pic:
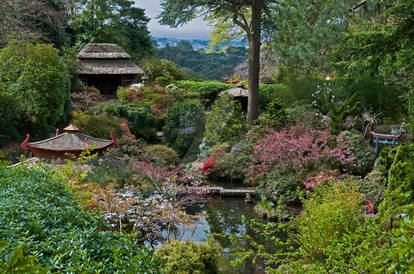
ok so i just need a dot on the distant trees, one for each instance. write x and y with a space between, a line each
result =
213 66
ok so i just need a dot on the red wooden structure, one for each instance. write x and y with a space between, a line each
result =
68 145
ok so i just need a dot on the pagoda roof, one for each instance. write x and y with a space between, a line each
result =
238 91
68 142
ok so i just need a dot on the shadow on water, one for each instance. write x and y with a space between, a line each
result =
223 215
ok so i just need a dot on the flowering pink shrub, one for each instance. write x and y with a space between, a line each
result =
292 150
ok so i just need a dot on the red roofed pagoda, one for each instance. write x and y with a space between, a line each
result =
70 143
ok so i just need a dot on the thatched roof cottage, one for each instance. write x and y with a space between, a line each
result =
107 67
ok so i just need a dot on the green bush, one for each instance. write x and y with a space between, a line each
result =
276 115
127 93
364 154
400 183
161 155
164 81
225 122
184 126
189 257
335 237
36 84
141 120
154 68
373 188
384 162
37 209
330 213
96 126
205 90
108 172
268 93
233 165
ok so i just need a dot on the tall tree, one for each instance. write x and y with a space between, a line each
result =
179 12
44 20
111 21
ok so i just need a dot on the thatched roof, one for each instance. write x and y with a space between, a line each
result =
103 58
238 91
70 142
103 51
109 66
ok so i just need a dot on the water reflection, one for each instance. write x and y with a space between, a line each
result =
223 215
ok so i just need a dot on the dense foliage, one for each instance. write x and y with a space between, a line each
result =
140 118
96 126
35 85
225 122
189 257
39 210
184 127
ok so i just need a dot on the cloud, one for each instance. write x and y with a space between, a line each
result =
196 29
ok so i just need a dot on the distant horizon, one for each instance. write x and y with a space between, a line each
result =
197 29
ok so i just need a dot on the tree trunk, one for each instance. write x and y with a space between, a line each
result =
254 61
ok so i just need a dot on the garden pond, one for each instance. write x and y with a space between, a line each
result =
222 215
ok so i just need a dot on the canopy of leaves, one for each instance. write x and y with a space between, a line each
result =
111 21
36 84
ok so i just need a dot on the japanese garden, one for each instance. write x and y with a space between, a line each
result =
282 143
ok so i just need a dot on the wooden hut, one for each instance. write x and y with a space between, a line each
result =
240 93
107 67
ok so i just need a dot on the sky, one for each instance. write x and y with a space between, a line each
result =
196 29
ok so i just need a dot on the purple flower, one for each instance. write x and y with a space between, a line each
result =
187 129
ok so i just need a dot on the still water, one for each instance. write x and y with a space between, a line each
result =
223 215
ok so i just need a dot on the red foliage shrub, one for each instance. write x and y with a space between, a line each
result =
210 162
292 150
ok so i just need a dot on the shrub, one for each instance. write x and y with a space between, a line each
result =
334 236
290 150
268 93
384 162
108 172
141 120
233 165
164 81
276 115
328 214
38 209
7 117
86 99
189 257
161 155
128 93
37 83
305 117
373 188
205 90
225 122
184 126
154 68
96 126
364 154
400 183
